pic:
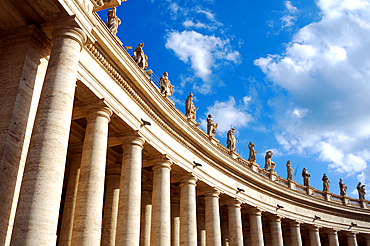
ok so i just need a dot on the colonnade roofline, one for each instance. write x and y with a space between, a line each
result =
162 112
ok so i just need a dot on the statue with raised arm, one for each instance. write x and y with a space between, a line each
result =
165 85
112 20
190 108
361 191
342 188
269 164
139 57
211 126
252 152
325 183
231 140
306 177
290 170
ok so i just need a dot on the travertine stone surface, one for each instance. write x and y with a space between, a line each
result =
128 224
188 211
146 213
295 233
38 208
65 238
90 194
235 223
201 224
161 216
314 236
111 205
333 238
22 70
276 233
255 221
212 211
175 220
351 239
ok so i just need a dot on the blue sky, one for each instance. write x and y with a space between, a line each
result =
291 76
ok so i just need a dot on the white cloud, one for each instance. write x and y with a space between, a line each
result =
228 113
202 52
288 21
290 7
190 23
326 73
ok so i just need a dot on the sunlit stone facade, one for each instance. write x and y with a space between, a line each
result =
80 167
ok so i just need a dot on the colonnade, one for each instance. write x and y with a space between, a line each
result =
112 204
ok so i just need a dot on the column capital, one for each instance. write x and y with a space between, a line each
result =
254 211
132 138
211 192
161 161
313 228
275 217
332 231
98 110
233 202
351 233
189 178
295 223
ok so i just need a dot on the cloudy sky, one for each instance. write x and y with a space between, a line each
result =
291 76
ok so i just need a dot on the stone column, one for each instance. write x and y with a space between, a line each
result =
276 233
314 236
161 217
255 222
65 238
146 213
90 194
111 205
295 234
212 212
351 239
128 223
201 222
188 211
235 223
333 238
38 208
175 218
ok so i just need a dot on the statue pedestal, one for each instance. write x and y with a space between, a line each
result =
309 190
233 154
273 175
254 166
363 203
213 140
327 196
292 184
193 122
345 200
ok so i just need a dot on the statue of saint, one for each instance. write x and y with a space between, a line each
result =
325 183
269 164
342 188
190 108
361 191
252 152
211 126
139 57
165 85
289 170
231 140
112 20
306 177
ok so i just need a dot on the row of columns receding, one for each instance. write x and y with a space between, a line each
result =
124 221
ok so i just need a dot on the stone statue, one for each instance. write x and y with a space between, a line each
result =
231 140
342 188
290 170
269 164
165 85
252 152
190 108
361 191
139 57
306 177
325 183
112 20
211 126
